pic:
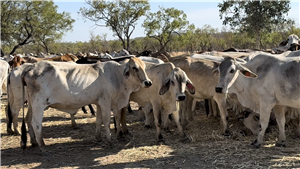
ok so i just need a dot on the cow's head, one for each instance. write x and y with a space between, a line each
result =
17 61
228 72
250 120
177 82
136 68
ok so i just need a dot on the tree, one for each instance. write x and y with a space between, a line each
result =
24 22
119 15
254 17
165 22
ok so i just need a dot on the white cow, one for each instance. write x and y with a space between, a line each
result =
15 96
200 73
285 45
68 87
251 119
4 66
169 85
275 84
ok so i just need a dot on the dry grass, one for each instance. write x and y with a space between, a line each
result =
70 148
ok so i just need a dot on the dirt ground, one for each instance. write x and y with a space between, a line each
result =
69 148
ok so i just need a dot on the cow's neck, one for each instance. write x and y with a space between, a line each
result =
245 95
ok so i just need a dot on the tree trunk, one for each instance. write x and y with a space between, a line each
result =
2 54
258 37
128 44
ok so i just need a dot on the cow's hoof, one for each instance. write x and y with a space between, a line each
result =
185 139
10 132
75 127
17 134
280 144
226 133
98 138
44 153
255 144
147 126
167 130
127 133
34 145
161 142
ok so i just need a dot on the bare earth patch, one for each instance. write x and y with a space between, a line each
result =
69 148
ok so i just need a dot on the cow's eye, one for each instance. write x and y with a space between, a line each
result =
135 69
173 83
231 71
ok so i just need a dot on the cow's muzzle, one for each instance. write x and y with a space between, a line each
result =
147 83
181 98
219 89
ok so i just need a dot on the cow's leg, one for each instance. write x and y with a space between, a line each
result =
214 106
189 108
221 101
129 108
30 129
8 120
98 123
157 120
12 116
265 110
166 118
123 121
298 128
37 119
73 122
117 116
180 129
92 109
106 113
83 109
148 110
280 118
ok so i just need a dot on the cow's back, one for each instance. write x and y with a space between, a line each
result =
200 73
277 76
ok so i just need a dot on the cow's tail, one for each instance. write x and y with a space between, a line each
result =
23 128
9 114
206 104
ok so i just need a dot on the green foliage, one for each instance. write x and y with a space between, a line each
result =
119 15
254 17
165 22
24 22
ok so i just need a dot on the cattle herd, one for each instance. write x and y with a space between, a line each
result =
255 84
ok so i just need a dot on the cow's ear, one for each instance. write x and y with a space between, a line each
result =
165 87
216 72
126 71
190 87
246 72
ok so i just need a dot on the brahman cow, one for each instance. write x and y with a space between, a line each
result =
15 96
274 83
251 119
65 58
169 85
67 87
291 43
4 66
200 73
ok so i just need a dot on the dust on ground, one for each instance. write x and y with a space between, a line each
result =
78 148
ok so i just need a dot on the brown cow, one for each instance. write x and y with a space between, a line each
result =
65 58
16 61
